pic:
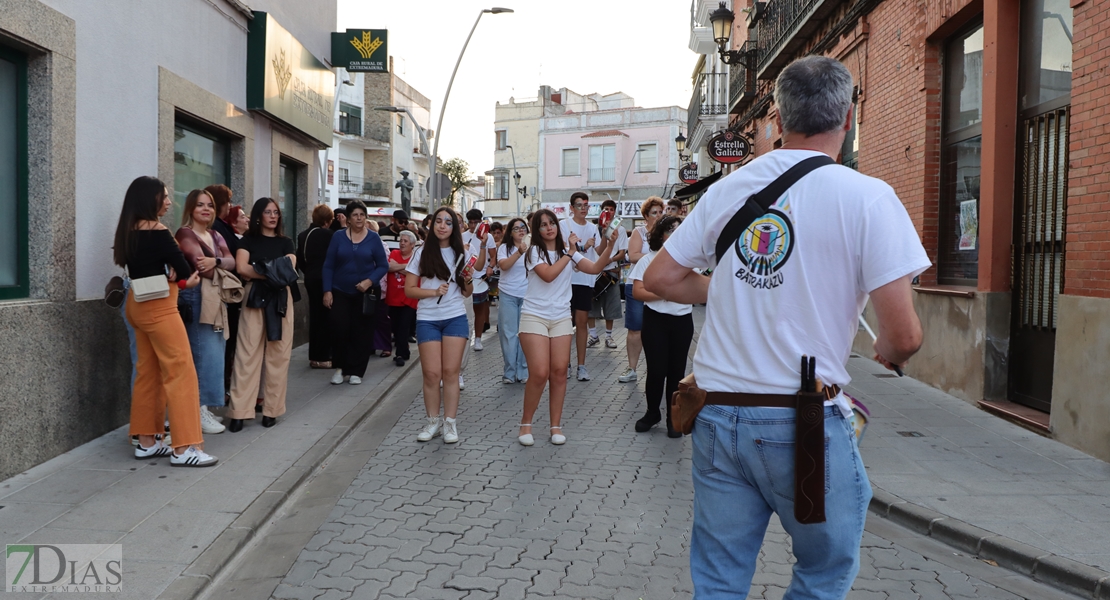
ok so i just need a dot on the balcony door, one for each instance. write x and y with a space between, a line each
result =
603 162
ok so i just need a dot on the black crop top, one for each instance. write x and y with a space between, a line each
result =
152 251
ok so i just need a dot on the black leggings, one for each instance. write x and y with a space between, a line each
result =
666 340
352 333
403 320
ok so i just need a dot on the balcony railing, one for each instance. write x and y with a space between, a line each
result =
783 29
603 174
357 186
710 97
741 83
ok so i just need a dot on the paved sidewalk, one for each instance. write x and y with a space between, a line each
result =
166 517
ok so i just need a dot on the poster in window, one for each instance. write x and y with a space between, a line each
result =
969 224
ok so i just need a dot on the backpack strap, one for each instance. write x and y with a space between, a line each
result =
758 204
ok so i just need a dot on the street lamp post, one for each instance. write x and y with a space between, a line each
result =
516 178
626 171
439 124
423 140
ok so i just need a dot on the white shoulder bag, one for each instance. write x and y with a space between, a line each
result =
150 288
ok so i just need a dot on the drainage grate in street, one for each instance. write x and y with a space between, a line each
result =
911 434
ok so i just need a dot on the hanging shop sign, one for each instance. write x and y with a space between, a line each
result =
688 173
361 50
286 82
728 148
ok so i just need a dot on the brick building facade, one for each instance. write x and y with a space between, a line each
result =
989 119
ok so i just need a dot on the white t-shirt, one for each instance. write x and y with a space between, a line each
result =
620 244
514 281
584 233
473 246
798 278
437 308
659 306
547 300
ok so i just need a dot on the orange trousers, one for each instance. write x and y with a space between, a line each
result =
165 375
252 352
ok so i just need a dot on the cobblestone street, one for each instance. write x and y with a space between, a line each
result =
606 516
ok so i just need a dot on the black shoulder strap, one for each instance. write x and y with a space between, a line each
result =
757 205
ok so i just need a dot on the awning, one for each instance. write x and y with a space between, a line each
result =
698 187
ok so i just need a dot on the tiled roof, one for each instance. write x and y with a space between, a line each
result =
606 133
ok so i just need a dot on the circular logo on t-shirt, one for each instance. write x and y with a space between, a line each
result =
765 247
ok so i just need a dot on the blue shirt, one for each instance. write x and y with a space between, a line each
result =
347 264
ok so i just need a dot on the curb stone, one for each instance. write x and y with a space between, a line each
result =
195 579
1062 573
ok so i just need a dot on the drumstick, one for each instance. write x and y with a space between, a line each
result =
458 261
874 338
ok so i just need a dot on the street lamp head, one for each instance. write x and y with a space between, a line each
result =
348 82
680 143
497 10
722 19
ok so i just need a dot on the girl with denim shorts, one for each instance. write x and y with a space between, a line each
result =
440 281
545 322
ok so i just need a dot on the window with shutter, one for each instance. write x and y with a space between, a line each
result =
570 162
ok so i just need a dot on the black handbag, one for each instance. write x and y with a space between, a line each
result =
372 296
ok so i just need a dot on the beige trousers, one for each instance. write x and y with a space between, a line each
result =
252 351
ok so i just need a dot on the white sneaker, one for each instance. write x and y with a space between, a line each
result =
218 419
431 429
568 371
208 423
462 384
477 344
158 449
583 375
627 376
337 378
592 341
450 431
192 457
507 380
609 342
355 380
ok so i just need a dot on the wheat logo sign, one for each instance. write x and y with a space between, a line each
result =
282 72
368 45
80 568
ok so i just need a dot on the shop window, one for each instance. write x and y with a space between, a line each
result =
647 159
287 196
200 159
961 157
13 175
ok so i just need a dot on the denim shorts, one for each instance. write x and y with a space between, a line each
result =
633 310
480 297
435 331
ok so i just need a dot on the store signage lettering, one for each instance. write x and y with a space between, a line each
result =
728 148
361 50
689 173
286 82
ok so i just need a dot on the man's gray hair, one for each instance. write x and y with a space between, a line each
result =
813 95
408 235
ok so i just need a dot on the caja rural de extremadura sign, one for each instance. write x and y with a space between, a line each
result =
728 148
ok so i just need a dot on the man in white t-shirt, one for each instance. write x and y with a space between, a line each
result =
793 284
608 304
582 284
483 269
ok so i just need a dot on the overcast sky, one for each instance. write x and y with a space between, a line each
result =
605 46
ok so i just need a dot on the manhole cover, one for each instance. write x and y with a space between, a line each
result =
911 434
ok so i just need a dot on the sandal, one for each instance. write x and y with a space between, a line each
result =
526 439
558 438
386 354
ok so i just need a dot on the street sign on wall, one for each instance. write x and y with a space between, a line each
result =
361 50
689 173
728 148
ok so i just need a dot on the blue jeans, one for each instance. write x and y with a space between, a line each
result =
508 331
130 332
743 468
633 310
207 346
435 331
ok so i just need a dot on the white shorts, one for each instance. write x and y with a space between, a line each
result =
545 327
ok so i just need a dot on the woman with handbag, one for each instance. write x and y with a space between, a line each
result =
262 359
437 277
312 247
651 210
402 309
354 263
166 377
545 318
513 286
206 251
668 332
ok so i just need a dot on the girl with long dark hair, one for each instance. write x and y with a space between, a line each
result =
166 376
667 334
545 321
265 242
436 276
512 288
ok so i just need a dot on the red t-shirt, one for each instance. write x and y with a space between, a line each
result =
395 290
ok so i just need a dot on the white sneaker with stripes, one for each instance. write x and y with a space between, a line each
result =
192 457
